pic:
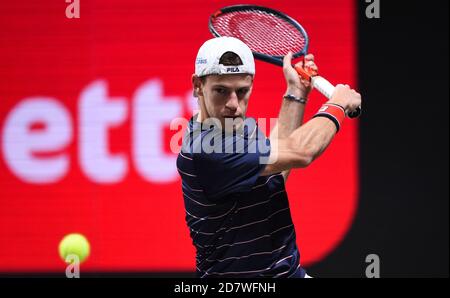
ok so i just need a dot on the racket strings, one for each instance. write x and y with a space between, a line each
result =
262 31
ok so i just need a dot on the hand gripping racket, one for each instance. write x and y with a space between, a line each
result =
270 35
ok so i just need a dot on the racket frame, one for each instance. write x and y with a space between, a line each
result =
318 82
277 60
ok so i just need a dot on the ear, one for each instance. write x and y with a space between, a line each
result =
197 85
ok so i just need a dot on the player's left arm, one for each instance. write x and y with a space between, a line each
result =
291 112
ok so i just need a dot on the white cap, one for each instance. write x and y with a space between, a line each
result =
211 51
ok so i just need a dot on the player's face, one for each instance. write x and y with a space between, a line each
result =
225 96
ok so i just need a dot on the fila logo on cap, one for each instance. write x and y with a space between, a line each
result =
232 69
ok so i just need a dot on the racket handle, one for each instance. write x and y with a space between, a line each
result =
327 89
323 86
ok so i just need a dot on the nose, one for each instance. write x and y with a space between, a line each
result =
232 102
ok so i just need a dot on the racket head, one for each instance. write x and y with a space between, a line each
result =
269 33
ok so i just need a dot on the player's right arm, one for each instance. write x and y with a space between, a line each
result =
309 141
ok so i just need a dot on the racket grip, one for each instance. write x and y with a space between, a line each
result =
327 89
323 86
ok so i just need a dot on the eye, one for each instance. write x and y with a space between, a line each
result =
242 91
221 91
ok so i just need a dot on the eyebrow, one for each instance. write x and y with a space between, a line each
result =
228 87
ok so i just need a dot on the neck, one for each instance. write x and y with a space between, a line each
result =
199 116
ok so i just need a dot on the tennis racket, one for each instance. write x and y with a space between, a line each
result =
270 35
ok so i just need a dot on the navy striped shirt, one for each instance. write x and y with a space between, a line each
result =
239 221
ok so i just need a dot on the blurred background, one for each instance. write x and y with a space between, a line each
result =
86 106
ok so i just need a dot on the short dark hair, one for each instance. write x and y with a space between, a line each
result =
227 59
230 59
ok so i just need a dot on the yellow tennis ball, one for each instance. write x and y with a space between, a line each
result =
74 244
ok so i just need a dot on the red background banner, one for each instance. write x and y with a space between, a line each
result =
85 109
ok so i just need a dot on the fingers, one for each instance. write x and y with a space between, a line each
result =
306 68
346 97
309 57
287 60
311 66
308 60
348 87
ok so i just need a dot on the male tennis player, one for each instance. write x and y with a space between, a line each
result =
233 177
